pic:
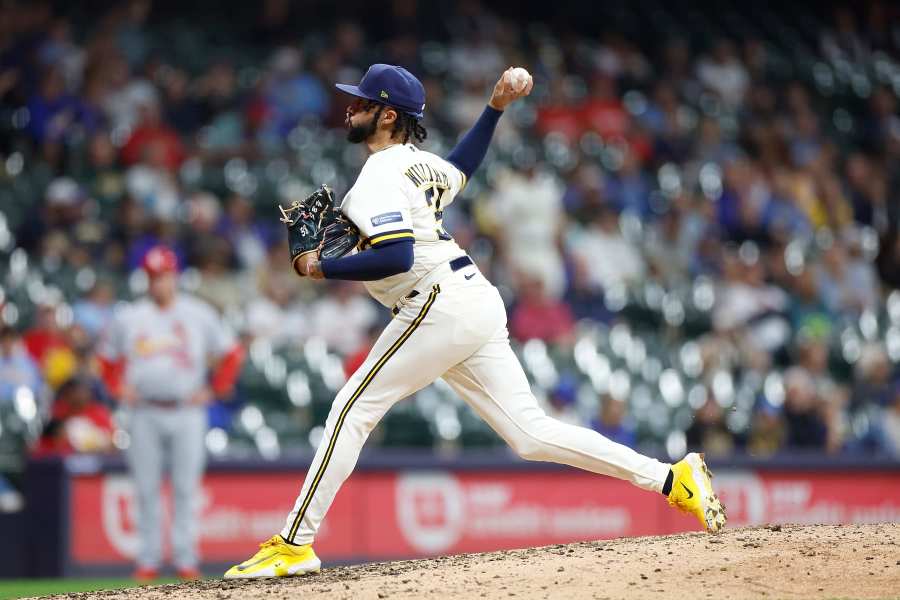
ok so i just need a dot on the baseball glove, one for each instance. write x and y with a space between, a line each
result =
315 225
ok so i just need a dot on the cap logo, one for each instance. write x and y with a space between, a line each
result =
383 94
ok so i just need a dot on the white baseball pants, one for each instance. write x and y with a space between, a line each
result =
456 330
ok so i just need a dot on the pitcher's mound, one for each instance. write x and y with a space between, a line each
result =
789 561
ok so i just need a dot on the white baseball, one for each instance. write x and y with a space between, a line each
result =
518 78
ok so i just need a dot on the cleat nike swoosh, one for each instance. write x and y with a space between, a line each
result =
469 276
688 490
244 567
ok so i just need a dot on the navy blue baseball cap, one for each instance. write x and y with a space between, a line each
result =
391 85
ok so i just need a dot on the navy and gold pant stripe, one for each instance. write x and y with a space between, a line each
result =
332 442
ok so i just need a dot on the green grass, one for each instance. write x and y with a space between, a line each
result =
20 588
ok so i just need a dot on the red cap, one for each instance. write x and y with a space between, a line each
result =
160 259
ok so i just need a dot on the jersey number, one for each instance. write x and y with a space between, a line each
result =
433 196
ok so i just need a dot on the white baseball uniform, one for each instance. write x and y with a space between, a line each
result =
449 322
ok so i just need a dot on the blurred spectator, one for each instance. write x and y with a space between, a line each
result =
124 95
529 222
708 432
832 398
276 315
131 34
561 402
467 104
559 114
584 299
292 94
808 311
882 121
219 103
65 205
807 141
58 49
345 306
61 361
621 262
872 379
612 421
867 189
476 58
806 429
585 192
182 111
102 176
666 119
668 249
792 206
350 44
711 144
723 73
603 111
835 205
94 311
45 335
744 202
79 422
746 300
153 141
153 185
538 316
246 235
846 287
629 187
54 114
17 368
812 355
767 432
355 359
211 254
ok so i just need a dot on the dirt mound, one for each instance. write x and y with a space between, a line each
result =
821 561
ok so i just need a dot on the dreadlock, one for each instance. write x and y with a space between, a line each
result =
407 126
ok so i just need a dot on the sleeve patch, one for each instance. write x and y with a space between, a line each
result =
388 217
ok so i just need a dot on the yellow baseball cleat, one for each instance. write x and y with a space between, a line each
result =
692 492
277 558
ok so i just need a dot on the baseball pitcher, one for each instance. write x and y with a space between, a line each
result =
449 321
156 358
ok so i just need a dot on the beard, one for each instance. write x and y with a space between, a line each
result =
357 134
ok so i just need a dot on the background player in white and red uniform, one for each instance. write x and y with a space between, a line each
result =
157 354
449 322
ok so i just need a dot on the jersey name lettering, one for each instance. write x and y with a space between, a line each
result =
433 183
423 175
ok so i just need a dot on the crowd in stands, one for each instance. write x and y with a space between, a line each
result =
732 177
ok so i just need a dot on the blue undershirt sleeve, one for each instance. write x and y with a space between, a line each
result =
470 151
386 259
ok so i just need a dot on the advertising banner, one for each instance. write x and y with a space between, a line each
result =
379 515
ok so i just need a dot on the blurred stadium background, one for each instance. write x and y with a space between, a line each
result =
693 219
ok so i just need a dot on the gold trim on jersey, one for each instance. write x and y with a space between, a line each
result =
377 239
356 394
